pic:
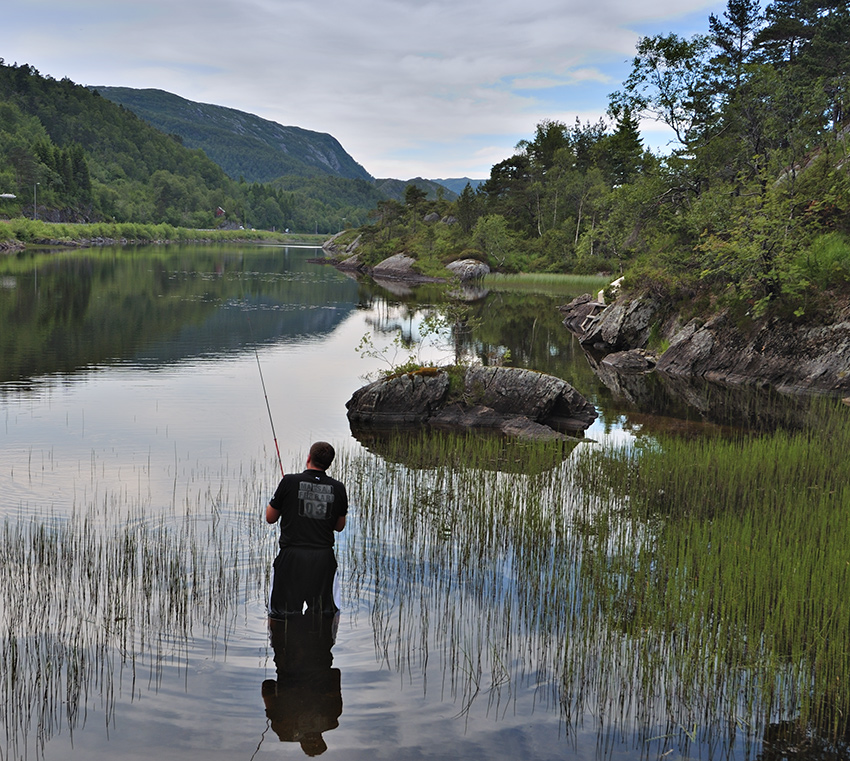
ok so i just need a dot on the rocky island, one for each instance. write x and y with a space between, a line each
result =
515 402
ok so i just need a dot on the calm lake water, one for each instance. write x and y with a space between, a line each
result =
132 415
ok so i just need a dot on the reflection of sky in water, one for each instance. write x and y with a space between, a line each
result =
173 426
106 426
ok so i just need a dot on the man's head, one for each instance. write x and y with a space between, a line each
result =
321 455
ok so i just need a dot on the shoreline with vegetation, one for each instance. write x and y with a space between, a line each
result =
18 234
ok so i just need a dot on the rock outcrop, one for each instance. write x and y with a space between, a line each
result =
516 402
786 356
790 358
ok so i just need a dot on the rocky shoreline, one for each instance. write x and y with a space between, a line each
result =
790 358
399 267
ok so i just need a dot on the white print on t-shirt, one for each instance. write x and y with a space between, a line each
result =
315 500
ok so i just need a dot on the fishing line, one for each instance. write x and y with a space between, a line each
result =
263 382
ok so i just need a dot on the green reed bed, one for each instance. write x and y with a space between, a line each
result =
39 231
111 592
465 565
743 568
683 591
546 282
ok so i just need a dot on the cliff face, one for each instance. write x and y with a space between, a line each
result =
791 358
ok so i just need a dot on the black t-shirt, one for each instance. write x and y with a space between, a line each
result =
310 503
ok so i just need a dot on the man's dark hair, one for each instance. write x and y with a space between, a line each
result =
322 454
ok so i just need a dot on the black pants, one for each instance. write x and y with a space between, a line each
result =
303 575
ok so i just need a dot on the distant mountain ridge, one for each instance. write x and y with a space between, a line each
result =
457 184
247 146
244 145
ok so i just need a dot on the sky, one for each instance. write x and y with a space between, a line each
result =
411 88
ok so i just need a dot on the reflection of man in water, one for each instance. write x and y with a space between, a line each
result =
310 506
306 698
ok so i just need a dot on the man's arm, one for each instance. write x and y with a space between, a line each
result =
340 523
272 515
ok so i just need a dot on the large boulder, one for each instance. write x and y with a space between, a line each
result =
397 266
399 400
517 402
468 269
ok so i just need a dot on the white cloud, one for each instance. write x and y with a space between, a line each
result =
401 84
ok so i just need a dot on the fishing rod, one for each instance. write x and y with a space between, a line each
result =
265 394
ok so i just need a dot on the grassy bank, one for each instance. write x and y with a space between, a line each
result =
35 232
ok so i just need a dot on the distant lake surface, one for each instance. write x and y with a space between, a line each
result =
136 459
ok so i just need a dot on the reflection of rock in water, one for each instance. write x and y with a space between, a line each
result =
469 293
306 698
657 393
427 449
397 288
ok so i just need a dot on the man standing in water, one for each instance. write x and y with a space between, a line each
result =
310 506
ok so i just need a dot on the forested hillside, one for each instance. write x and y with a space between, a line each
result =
81 157
242 144
751 205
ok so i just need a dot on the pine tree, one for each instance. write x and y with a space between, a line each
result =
734 36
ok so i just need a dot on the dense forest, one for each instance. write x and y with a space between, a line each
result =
751 203
68 154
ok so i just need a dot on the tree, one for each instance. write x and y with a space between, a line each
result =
467 208
734 36
413 196
549 138
492 236
669 82
623 149
788 29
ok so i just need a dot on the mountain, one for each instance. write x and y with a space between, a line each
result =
394 189
244 145
457 184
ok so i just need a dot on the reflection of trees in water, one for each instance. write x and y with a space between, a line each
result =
81 309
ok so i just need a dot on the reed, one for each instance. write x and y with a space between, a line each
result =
546 282
688 590
737 555
115 589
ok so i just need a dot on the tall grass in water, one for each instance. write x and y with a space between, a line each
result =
546 282
108 595
682 590
460 563
742 571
